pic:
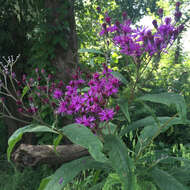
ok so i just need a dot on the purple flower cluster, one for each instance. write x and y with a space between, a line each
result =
135 42
40 91
89 105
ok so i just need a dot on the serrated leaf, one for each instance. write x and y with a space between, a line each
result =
84 50
168 99
120 77
83 136
70 170
17 135
165 181
120 160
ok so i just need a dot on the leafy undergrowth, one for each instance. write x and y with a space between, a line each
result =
27 179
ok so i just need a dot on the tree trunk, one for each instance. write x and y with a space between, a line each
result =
66 58
32 155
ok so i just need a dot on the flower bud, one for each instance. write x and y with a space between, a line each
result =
42 71
160 12
177 16
108 19
117 108
13 75
124 15
98 9
180 28
177 4
23 77
158 42
20 110
168 20
117 23
155 24
36 70
18 102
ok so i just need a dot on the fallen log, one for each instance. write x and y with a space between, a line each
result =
32 155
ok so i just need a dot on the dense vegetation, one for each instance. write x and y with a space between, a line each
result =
89 72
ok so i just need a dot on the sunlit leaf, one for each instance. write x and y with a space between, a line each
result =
83 50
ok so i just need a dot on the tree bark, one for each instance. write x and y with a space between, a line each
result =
66 59
32 155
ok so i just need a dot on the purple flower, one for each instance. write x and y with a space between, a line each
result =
106 114
86 121
57 93
62 107
89 107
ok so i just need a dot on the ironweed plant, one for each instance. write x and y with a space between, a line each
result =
136 165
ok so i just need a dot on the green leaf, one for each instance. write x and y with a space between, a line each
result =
83 136
44 183
147 121
152 130
120 160
145 185
109 128
70 170
57 140
98 186
168 99
120 77
111 180
165 181
124 107
24 91
83 50
17 135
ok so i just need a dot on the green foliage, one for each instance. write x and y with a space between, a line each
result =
68 171
83 136
168 99
17 135
123 103
112 179
27 179
137 158
165 181
120 161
